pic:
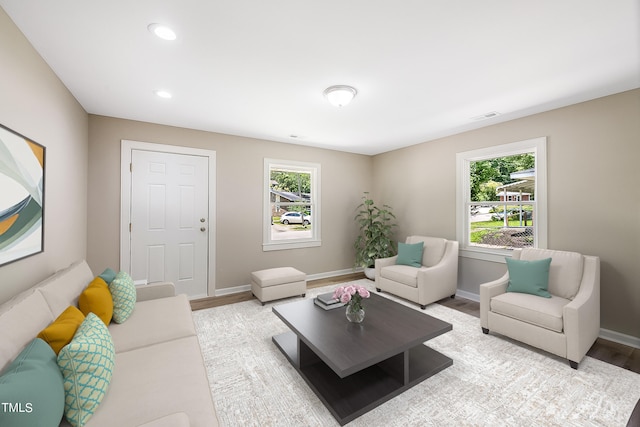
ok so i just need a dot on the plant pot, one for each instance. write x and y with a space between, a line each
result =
370 273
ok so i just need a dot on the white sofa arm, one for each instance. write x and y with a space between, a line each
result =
487 291
155 290
381 263
582 315
441 280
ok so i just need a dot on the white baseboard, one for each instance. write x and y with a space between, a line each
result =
245 288
614 336
606 334
468 295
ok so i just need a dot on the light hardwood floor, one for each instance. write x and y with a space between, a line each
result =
608 351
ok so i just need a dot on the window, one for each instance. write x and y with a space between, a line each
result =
501 193
291 205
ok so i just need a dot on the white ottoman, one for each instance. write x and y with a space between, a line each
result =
276 283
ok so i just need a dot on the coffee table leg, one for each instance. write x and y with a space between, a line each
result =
306 356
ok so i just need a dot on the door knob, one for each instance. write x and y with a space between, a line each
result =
202 220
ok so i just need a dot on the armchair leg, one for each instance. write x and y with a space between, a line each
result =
378 290
453 296
422 307
573 364
485 331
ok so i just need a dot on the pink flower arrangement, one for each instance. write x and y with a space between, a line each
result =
352 295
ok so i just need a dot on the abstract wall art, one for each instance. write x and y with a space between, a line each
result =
22 166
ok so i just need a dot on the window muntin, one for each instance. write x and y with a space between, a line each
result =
292 204
502 199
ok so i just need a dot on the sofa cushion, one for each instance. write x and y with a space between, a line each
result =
86 364
97 299
33 381
434 248
529 277
565 272
22 318
63 288
154 321
543 312
123 292
61 331
179 419
174 379
410 254
401 273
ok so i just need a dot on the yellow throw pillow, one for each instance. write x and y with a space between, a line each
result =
96 298
60 332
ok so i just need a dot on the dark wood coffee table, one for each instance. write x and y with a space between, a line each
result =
354 368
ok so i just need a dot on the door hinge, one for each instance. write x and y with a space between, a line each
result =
129 227
130 167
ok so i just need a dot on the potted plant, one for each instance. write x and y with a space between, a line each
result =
374 239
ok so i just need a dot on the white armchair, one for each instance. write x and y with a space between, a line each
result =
436 279
567 324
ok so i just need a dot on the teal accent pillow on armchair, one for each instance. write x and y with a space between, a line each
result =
410 254
529 277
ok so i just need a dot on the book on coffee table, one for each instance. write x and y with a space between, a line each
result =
327 301
327 298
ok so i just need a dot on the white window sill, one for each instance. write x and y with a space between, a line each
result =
279 246
492 255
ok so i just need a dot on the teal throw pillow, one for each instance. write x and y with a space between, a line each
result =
410 254
108 275
123 292
529 277
86 364
31 389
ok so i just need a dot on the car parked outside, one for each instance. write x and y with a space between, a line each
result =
295 218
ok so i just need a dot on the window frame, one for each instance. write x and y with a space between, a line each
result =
537 146
314 169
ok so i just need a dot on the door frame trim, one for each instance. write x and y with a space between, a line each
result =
125 201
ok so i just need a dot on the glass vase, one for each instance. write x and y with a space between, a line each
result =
355 315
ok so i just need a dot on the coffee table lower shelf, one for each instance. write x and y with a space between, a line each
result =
349 397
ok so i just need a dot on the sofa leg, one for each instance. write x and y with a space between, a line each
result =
262 302
453 296
304 295
485 331
378 290
574 365
422 307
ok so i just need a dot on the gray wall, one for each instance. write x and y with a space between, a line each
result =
593 193
36 104
239 198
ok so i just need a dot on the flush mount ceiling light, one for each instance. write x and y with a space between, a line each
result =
340 95
163 94
162 31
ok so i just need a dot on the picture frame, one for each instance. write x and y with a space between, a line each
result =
22 196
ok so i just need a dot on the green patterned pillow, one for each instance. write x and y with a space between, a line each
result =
123 292
86 364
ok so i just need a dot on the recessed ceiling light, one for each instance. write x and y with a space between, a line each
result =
163 94
162 31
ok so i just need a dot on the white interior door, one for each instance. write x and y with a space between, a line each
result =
170 220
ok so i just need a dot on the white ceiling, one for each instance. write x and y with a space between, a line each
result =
423 68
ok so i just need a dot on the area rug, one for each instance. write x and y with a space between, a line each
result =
494 381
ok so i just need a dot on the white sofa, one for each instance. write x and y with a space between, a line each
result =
567 324
436 279
159 377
